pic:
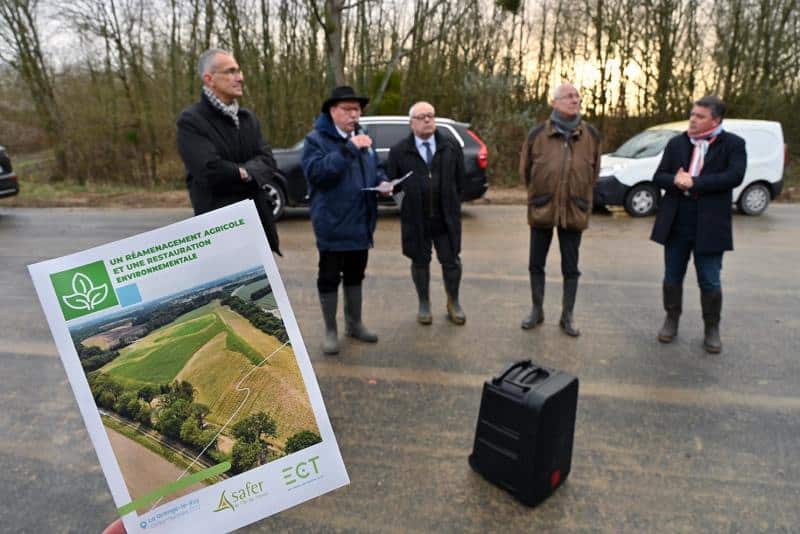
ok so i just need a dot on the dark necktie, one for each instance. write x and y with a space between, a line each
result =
428 153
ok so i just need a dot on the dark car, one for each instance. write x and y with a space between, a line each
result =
8 180
289 186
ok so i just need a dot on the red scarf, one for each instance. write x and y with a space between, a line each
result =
701 143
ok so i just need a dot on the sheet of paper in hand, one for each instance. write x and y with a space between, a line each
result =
191 375
389 185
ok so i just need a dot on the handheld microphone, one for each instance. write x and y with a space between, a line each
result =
358 130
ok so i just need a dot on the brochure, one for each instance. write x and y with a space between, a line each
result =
191 374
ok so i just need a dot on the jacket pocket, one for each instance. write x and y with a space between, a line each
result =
582 204
541 200
542 210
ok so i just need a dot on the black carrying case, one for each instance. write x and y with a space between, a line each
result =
526 424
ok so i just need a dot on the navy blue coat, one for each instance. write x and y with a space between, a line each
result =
723 170
343 216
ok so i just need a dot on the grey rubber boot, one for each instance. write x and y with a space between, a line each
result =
711 302
421 275
567 305
673 305
452 281
328 303
352 315
536 316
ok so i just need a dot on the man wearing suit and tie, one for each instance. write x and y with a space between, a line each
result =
431 210
698 171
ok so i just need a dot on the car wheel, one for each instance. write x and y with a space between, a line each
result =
277 197
642 200
754 200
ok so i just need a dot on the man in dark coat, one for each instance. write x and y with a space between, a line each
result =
431 209
340 165
698 171
559 164
226 157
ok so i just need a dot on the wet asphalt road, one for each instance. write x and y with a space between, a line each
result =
668 438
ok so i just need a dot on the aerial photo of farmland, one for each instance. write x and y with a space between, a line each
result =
197 379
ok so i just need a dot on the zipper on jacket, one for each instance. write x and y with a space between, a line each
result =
430 193
562 183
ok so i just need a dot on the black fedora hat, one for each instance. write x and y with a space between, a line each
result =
341 94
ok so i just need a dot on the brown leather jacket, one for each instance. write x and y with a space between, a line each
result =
560 175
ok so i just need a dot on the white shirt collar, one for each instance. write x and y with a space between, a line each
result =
342 132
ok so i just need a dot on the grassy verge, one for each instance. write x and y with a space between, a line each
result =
38 190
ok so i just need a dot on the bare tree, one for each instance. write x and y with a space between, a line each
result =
19 33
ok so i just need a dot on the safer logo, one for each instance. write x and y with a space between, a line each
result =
84 290
224 503
239 497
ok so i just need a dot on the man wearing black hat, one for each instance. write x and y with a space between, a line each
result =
221 145
340 165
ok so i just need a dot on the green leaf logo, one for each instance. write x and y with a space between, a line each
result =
84 290
85 295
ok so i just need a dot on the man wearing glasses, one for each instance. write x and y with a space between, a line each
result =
221 145
560 162
342 169
431 210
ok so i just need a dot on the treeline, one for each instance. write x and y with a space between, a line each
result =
266 322
168 408
259 293
162 316
107 99
172 411
93 358
150 317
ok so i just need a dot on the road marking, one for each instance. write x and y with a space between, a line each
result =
707 396
32 348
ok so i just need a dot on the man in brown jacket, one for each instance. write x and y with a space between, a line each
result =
560 162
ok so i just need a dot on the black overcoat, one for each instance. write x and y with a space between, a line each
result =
213 148
448 165
723 170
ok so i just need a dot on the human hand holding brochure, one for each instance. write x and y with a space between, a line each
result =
191 374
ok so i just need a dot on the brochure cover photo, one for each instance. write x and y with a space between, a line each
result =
191 375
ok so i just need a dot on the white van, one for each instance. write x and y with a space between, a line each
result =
626 176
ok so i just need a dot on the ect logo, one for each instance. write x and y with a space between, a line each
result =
301 471
248 492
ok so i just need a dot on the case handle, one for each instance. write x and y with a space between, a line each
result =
499 379
524 380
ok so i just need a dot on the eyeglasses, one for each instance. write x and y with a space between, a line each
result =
347 108
423 116
233 71
571 96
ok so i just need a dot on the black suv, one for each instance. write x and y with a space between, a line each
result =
8 180
289 186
